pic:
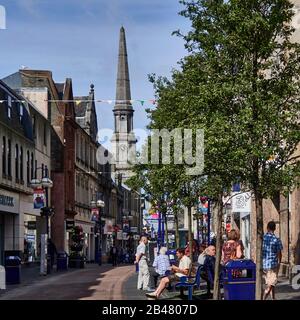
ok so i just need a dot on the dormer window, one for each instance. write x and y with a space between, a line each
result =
9 107
21 112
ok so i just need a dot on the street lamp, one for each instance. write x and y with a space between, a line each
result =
45 183
99 204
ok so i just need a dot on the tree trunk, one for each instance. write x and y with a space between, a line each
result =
190 232
216 294
166 230
177 239
259 243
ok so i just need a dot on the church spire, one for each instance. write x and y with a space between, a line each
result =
123 82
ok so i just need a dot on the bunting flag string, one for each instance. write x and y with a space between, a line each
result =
78 101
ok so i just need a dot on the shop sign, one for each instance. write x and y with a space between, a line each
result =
120 235
31 225
6 201
9 201
134 229
241 202
108 228
95 215
70 224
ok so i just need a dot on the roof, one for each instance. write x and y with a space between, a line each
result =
60 89
81 107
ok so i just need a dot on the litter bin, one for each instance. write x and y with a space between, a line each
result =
62 261
172 256
239 280
13 269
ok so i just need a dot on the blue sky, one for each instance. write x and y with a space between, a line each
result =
79 39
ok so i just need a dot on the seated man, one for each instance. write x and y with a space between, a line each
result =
177 272
160 265
209 268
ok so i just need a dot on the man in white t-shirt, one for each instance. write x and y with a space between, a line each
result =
183 269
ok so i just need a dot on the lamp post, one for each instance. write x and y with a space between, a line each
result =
46 212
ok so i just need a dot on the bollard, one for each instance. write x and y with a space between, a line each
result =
2 278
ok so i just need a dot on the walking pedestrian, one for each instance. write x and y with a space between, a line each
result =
114 255
272 247
141 260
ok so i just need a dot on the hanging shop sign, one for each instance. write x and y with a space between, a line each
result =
95 215
70 224
31 225
241 202
39 198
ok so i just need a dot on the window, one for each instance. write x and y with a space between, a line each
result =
35 169
9 157
86 154
21 164
9 106
21 112
32 166
43 171
17 162
81 149
34 126
45 134
28 167
4 156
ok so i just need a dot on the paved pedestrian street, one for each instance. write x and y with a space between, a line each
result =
102 283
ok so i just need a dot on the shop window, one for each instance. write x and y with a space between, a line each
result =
28 167
21 164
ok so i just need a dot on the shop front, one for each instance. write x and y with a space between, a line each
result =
33 227
9 223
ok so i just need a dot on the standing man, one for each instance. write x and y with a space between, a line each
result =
114 255
272 255
141 260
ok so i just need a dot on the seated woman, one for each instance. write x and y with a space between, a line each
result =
182 270
209 268
160 265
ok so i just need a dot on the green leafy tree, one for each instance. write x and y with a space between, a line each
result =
248 71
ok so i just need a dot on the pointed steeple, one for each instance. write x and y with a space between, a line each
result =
123 95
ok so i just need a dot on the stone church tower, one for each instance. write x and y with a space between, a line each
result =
123 140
